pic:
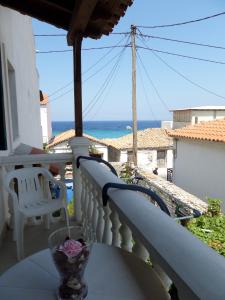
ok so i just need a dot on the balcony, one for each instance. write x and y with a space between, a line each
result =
128 221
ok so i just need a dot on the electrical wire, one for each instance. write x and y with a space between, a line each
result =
152 83
182 41
182 23
145 92
109 89
96 72
184 76
102 89
182 55
90 68
100 92
62 34
83 49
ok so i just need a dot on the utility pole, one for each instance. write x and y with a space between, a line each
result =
134 105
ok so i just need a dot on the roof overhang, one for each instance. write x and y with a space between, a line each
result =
90 18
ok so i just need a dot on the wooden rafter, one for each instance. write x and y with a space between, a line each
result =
82 12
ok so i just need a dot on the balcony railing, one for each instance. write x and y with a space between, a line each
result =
131 222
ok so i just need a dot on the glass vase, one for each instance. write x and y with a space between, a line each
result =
70 248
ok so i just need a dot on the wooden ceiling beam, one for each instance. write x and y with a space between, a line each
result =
40 10
56 6
82 12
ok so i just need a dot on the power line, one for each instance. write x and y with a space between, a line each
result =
112 81
86 71
100 92
96 72
62 34
83 49
182 55
182 41
182 23
185 77
145 92
152 83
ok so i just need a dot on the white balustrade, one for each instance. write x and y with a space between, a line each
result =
138 226
101 221
140 250
107 233
116 238
126 237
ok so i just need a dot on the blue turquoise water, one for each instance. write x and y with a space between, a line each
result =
104 129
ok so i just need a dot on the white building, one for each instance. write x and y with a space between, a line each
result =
155 149
199 161
19 91
194 115
60 144
46 121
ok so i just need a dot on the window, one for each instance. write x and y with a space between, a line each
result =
13 101
3 139
161 159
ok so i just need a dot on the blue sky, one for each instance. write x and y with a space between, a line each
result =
56 69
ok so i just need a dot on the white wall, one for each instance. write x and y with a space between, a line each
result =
169 160
19 50
202 115
46 123
199 168
102 149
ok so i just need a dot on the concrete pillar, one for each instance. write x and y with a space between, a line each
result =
79 146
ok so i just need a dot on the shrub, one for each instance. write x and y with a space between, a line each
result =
210 227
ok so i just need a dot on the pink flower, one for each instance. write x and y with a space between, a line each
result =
71 248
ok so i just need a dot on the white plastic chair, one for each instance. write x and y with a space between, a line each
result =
32 198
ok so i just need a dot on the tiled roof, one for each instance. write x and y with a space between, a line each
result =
209 131
44 99
150 138
66 136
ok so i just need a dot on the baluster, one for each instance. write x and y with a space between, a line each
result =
83 197
100 224
126 237
140 250
166 281
86 200
116 239
90 204
95 210
107 233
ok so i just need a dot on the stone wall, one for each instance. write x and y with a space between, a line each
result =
172 195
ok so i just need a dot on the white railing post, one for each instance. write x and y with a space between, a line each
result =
79 146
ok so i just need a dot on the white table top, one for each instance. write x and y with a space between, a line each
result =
111 273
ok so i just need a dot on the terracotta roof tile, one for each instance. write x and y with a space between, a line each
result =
67 135
44 100
209 131
149 138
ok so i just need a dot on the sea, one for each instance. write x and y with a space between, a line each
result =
105 129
